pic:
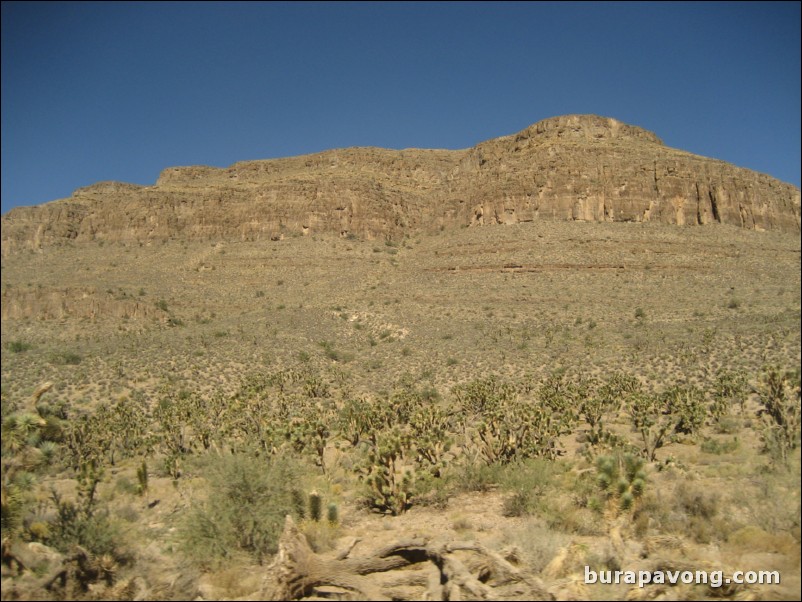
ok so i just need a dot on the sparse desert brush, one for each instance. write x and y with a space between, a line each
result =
528 483
720 446
18 346
538 543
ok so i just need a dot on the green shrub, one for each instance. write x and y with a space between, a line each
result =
248 499
18 346
68 358
528 481
97 533
718 446
478 476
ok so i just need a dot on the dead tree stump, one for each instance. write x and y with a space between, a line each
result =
414 569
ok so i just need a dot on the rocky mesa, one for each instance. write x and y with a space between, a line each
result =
575 167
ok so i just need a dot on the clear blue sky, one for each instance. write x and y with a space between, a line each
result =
119 91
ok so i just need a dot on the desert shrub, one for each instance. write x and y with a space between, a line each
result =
478 476
85 521
728 425
89 527
527 481
720 446
67 358
696 501
779 396
538 544
434 491
701 508
244 513
18 346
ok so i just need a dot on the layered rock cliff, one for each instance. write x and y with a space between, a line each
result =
576 167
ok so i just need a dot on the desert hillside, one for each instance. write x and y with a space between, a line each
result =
589 381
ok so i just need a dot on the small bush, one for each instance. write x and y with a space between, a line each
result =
78 524
244 512
718 446
18 346
67 358
479 476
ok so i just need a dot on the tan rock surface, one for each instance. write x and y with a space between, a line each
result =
576 167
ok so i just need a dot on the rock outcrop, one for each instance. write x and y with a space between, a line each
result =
576 167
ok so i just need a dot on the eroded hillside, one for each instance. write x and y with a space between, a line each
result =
576 167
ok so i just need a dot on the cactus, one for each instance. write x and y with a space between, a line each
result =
686 404
779 396
596 400
315 506
649 419
389 482
730 388
626 471
332 514
142 478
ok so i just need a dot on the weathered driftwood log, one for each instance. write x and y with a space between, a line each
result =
459 571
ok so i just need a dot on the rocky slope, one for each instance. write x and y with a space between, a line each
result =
576 167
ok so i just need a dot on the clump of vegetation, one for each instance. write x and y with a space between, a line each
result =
244 513
622 478
388 478
528 482
687 405
779 396
729 389
650 421
67 358
18 346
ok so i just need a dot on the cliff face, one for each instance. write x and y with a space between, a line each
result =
576 167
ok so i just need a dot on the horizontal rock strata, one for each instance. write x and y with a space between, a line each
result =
576 167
